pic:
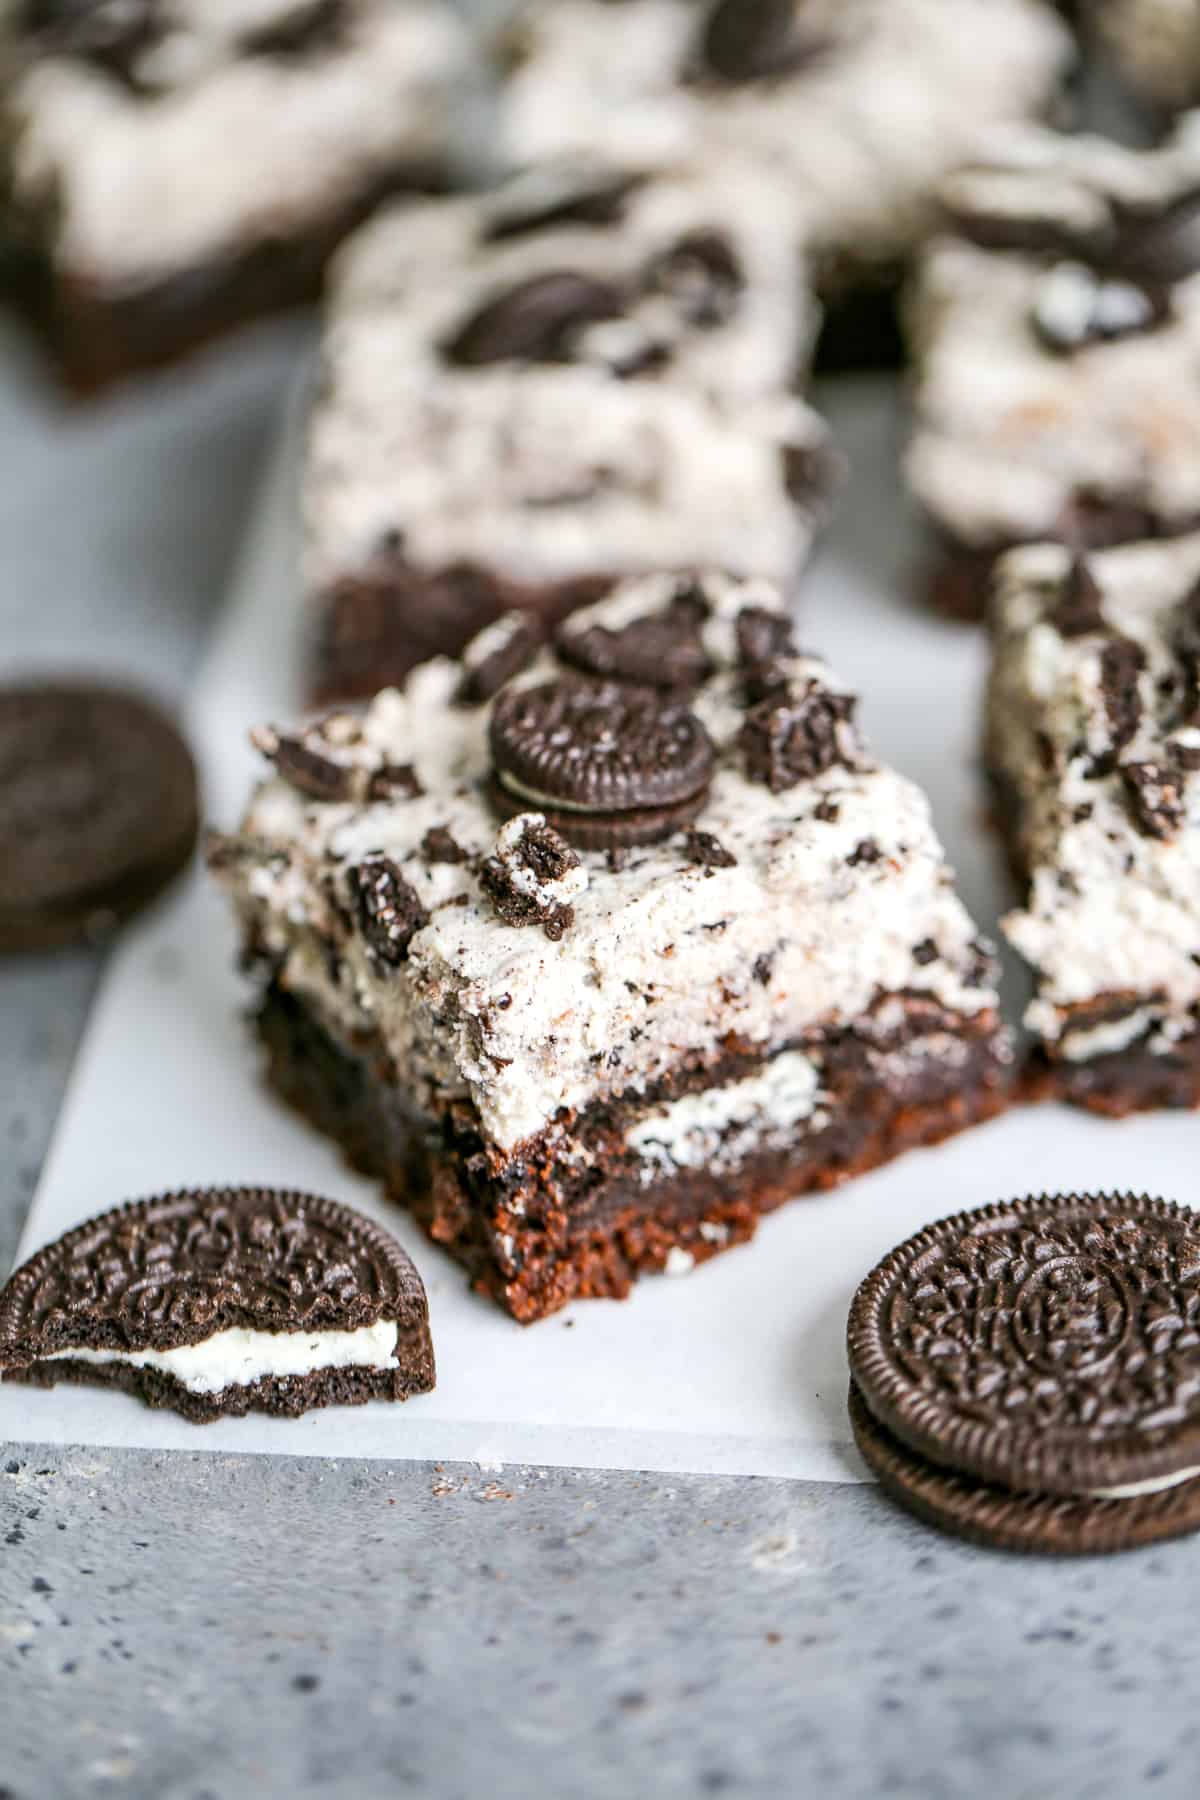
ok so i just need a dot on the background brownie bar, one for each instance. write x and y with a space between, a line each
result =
1052 327
1093 742
1154 46
864 106
585 374
717 962
176 167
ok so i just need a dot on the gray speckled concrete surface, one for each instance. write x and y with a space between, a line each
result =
202 1628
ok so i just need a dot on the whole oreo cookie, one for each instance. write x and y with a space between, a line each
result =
1029 1368
601 758
221 1301
98 811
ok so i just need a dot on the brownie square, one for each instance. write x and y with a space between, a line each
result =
861 105
1093 742
595 953
584 374
1052 325
175 168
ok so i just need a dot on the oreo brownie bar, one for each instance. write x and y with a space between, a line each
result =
176 167
593 954
223 1301
863 105
1052 329
1093 742
583 375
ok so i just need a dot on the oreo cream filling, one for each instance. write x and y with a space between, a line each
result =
240 1356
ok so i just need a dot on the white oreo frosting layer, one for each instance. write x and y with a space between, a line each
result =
1110 831
216 147
829 904
652 439
892 96
1012 433
239 1357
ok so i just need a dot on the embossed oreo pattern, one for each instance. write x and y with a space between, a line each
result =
179 1268
1051 1345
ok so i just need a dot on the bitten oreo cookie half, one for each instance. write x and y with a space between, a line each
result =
98 811
610 764
1028 1375
223 1301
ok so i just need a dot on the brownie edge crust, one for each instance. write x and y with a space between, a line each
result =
594 1243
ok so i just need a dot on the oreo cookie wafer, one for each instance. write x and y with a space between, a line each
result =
98 811
223 1301
1028 1375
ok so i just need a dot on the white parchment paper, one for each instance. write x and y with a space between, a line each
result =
736 1368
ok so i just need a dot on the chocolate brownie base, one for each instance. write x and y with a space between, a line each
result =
1119 1082
958 579
1049 1524
537 1236
99 336
285 1396
374 629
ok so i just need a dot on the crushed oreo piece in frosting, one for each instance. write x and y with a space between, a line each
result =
797 732
703 848
388 907
534 876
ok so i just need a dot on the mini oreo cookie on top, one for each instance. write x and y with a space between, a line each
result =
223 1301
609 764
98 811
1028 1375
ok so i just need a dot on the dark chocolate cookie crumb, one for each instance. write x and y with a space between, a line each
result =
1155 791
531 861
394 781
762 635
827 811
439 846
306 764
925 952
1121 662
702 847
533 321
388 907
864 854
1078 608
795 734
555 196
703 277
661 649
305 30
763 967
756 40
483 680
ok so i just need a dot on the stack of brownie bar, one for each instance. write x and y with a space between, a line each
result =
863 104
174 167
596 951
1093 744
584 374
594 371
1054 329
